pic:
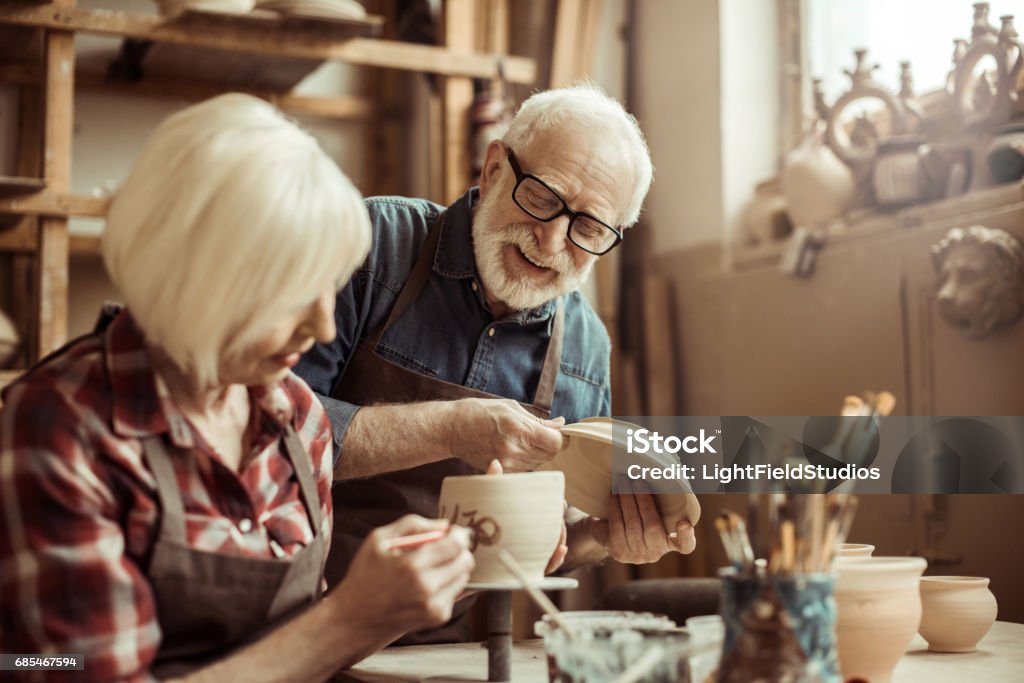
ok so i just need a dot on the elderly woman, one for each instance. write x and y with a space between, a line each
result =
165 502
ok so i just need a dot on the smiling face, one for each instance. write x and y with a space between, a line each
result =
270 357
524 262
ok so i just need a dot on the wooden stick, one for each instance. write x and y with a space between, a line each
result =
538 597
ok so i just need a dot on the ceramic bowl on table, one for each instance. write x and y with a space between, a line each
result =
956 612
855 550
517 512
586 461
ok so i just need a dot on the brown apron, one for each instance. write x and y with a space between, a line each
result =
364 504
210 603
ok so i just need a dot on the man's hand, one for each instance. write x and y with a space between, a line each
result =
635 532
483 429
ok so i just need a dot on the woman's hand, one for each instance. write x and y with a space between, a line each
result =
392 592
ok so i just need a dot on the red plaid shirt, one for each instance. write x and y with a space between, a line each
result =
78 507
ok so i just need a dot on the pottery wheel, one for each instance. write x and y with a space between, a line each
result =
499 620
548 583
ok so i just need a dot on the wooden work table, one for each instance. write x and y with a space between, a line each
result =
999 659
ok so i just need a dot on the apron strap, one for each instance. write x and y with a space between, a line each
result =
172 518
304 474
418 278
549 374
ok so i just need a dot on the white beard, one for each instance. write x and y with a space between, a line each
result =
519 293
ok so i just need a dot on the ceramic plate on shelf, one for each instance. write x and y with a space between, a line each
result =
586 461
316 9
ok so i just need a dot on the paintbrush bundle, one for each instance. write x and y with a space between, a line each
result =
803 533
779 612
858 425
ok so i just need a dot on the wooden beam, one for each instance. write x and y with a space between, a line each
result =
57 204
52 271
362 51
457 99
338 108
563 51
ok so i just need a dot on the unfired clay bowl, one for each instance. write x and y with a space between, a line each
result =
878 610
586 460
518 512
956 612
855 550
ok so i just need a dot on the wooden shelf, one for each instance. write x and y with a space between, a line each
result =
271 40
11 186
49 203
875 223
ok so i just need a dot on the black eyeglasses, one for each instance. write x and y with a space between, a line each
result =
532 195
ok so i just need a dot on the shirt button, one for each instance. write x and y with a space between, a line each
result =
490 332
245 525
474 285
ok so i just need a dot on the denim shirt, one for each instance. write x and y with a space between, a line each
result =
447 332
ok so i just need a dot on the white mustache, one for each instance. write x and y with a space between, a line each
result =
522 237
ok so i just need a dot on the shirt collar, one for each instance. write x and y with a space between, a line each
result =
142 404
455 258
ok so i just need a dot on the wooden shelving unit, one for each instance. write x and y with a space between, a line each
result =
193 55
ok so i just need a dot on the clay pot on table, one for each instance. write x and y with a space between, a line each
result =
956 612
518 512
878 610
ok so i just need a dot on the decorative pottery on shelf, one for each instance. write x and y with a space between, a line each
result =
517 512
170 7
764 217
956 612
818 187
586 460
855 550
878 611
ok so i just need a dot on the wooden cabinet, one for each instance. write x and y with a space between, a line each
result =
755 341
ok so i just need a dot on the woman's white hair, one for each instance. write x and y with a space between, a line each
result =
231 219
587 106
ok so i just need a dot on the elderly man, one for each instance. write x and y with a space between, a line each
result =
463 334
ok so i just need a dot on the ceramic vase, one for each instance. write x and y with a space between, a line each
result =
765 218
855 550
818 187
878 610
519 512
956 612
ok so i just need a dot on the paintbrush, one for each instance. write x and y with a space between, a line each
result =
413 540
740 539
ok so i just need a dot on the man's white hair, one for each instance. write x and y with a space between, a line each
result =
586 105
231 219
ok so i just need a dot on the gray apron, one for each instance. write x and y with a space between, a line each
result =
364 504
209 603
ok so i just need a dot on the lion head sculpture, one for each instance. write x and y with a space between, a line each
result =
980 278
